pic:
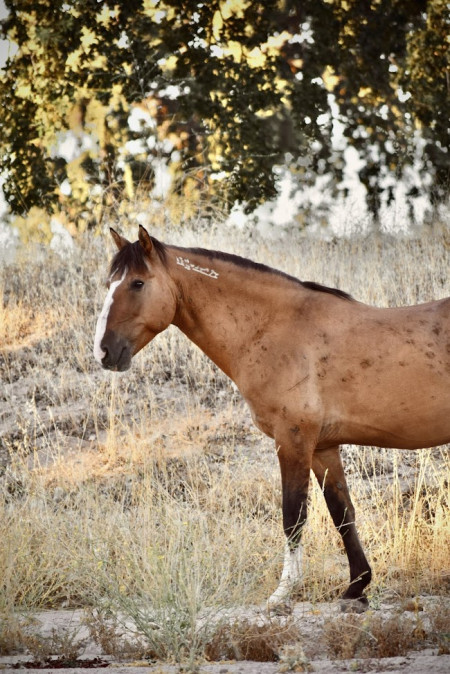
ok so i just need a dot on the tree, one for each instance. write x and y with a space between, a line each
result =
228 89
391 61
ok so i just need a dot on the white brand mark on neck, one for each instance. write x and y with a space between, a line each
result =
190 266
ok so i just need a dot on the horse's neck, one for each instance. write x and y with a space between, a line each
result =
219 307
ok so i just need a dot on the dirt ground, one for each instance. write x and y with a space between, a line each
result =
416 663
311 655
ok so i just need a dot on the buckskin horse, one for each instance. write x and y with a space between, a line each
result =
316 367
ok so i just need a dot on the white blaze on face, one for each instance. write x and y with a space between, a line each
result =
99 354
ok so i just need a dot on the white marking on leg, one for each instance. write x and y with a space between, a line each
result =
292 575
99 354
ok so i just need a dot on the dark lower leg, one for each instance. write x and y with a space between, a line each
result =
328 469
294 513
343 518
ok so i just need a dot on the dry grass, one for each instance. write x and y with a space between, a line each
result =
354 636
440 629
247 640
376 636
151 495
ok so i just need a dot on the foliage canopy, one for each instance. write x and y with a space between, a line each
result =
223 92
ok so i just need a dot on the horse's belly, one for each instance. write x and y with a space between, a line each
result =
404 404
400 438
408 421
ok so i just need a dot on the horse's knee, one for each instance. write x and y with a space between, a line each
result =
339 504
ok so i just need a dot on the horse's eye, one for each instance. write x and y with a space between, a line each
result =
137 285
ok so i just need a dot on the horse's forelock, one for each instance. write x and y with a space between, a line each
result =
133 257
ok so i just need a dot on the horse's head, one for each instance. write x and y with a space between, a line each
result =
140 303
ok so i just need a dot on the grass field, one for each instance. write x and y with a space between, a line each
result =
150 495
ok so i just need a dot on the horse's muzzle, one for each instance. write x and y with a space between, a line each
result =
117 351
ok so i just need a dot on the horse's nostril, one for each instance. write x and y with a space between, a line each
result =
105 352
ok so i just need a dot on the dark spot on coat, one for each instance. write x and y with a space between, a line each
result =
323 336
367 362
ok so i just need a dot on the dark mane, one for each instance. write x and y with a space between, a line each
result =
311 285
257 266
133 256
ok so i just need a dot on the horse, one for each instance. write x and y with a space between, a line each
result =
316 367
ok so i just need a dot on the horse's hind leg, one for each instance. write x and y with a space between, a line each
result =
327 467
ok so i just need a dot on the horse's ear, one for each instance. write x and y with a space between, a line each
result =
145 240
120 241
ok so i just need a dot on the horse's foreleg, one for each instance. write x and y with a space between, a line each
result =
327 467
295 464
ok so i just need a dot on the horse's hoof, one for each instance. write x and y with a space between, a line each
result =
283 608
358 605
